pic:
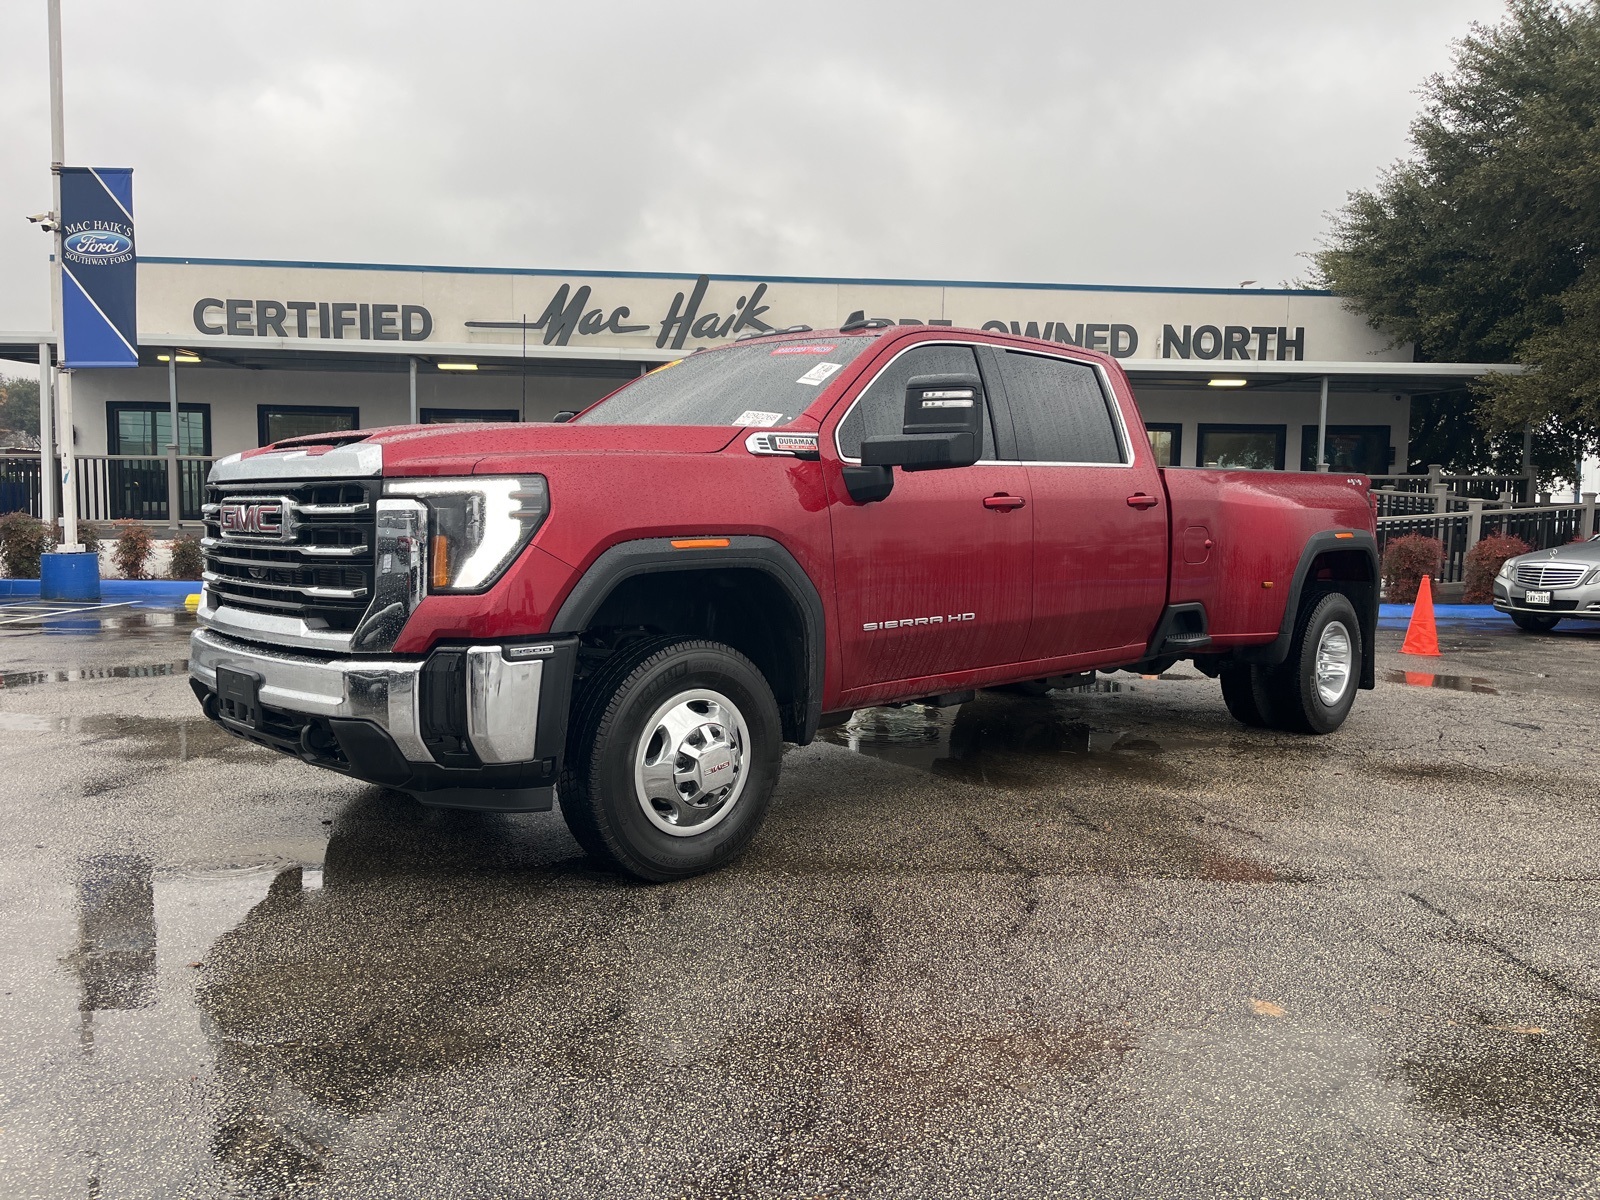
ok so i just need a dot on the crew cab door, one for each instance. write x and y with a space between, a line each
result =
1100 519
936 578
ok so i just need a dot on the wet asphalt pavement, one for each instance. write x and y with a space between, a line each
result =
1106 943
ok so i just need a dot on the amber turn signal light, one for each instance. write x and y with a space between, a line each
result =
441 561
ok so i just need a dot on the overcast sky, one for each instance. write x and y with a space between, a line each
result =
1154 142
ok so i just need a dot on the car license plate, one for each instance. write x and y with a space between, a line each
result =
239 697
1536 598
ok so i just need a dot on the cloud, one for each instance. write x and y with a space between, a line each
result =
1145 143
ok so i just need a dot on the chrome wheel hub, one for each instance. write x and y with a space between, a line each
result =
1335 659
689 768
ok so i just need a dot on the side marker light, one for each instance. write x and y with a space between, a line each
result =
699 543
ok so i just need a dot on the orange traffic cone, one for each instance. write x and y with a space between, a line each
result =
1421 636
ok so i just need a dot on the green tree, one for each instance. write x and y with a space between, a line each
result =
19 404
1481 245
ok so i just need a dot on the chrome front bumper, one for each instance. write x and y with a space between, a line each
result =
1573 603
503 693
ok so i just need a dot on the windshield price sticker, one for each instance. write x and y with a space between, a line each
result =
818 373
760 420
809 348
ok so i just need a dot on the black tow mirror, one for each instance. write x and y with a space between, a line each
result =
943 426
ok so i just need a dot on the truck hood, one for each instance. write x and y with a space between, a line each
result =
466 449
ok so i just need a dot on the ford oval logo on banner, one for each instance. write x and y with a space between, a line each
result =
98 244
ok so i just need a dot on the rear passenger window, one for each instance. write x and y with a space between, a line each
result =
881 409
1060 411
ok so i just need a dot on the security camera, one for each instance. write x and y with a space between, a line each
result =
45 221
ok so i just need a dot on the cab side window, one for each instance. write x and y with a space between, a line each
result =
1061 413
880 410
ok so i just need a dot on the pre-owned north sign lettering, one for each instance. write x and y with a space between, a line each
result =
1205 341
313 318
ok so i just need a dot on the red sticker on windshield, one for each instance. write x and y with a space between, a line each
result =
808 348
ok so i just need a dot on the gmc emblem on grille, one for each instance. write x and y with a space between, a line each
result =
266 520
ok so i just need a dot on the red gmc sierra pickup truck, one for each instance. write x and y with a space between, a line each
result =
639 606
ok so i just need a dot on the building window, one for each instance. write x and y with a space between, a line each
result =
147 428
463 416
1363 448
135 486
274 422
1242 447
1166 443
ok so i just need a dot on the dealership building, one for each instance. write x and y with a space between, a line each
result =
255 351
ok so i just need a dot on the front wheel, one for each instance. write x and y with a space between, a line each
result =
1533 623
672 758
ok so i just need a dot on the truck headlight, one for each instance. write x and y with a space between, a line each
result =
476 525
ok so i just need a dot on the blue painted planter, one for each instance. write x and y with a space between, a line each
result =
69 577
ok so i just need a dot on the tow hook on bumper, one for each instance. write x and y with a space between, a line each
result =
480 726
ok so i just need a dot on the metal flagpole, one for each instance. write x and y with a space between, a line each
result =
69 457
47 441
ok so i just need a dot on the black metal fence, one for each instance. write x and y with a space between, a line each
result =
1541 528
111 487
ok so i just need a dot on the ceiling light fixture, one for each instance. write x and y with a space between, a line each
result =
1227 383
457 366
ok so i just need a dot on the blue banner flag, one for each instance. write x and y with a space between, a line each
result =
98 268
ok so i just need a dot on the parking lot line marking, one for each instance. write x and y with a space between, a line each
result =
46 613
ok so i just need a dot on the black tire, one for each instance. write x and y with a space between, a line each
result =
1532 623
1296 703
1245 692
600 801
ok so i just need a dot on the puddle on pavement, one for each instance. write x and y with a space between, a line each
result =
996 739
142 739
1512 1082
20 679
120 621
1455 683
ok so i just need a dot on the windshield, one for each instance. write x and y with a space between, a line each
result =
757 386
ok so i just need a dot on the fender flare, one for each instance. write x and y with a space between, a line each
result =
1275 651
649 556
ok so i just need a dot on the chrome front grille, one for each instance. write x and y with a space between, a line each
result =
299 549
1550 574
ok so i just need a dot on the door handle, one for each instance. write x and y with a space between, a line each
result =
1003 502
1140 500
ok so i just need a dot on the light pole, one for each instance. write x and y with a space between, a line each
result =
69 457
